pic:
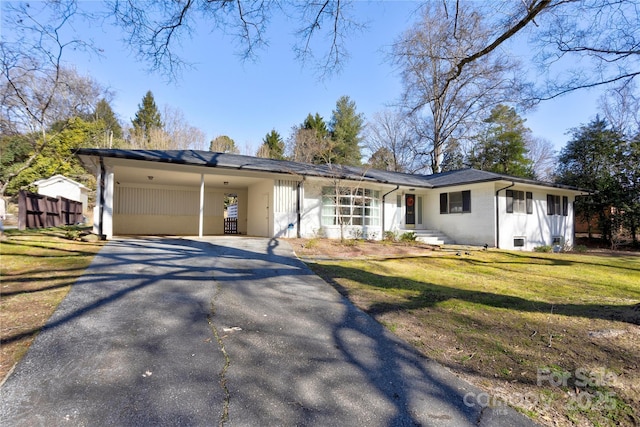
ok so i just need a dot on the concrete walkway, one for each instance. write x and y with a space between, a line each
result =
225 331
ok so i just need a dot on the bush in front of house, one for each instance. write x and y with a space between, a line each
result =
409 236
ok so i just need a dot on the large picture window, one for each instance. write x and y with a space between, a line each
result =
455 202
351 206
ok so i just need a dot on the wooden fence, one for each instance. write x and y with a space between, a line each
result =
38 211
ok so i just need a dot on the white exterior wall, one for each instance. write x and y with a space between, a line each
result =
260 209
311 220
312 214
393 215
266 207
538 228
474 228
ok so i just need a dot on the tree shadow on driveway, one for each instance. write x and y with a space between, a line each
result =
224 331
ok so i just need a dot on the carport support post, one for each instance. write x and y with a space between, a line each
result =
201 216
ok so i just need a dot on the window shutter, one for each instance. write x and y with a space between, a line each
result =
549 204
444 203
466 201
565 205
509 201
529 202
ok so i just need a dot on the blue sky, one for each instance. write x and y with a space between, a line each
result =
223 95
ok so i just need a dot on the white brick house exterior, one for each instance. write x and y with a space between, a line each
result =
181 193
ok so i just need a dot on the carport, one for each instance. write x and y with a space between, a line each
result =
162 195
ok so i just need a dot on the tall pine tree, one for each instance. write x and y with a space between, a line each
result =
105 113
310 141
112 130
147 119
317 124
501 148
272 146
346 125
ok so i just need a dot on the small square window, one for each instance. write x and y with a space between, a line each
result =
518 242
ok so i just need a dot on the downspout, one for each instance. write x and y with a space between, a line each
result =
101 211
498 214
299 207
383 208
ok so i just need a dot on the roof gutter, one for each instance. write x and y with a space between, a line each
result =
383 209
498 213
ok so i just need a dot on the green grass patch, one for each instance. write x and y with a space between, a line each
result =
499 317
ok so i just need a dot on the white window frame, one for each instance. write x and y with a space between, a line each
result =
357 207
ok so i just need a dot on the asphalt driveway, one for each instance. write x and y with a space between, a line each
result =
225 331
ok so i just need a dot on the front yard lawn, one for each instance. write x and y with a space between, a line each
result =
555 335
37 268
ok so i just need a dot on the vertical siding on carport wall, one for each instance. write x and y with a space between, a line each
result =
285 208
165 210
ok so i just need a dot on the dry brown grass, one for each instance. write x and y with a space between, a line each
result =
37 270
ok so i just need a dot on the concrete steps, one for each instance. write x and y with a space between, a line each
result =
431 237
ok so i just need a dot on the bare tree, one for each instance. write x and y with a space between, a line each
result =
389 135
596 41
327 21
155 30
621 107
180 132
223 144
580 43
349 198
542 155
443 99
35 88
307 145
263 152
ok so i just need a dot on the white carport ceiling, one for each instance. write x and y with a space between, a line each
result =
164 175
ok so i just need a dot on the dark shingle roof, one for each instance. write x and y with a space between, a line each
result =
257 164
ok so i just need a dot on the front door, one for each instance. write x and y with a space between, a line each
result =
410 212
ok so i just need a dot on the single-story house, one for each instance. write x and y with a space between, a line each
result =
182 192
61 186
